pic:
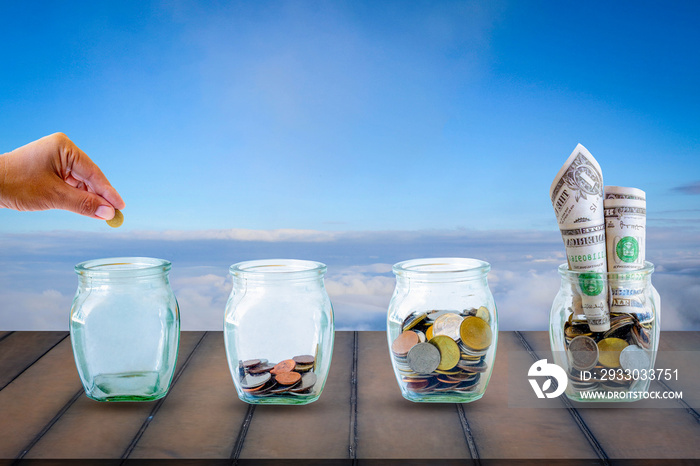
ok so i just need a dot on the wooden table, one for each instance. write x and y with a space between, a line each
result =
360 415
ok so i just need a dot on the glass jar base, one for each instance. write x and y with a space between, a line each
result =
279 399
441 397
127 386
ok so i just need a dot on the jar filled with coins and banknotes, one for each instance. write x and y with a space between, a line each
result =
125 328
278 331
442 329
615 364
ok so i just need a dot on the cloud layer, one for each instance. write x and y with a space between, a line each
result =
37 285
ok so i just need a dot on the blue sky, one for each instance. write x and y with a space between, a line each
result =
355 133
354 115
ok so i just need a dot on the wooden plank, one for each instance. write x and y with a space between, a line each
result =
317 430
524 432
33 399
4 334
111 426
19 350
681 351
635 432
390 426
202 415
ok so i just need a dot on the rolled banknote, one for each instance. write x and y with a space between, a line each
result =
619 192
577 198
625 231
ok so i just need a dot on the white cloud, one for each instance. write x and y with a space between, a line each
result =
26 310
36 293
237 234
202 301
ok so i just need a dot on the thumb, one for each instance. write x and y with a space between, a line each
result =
84 203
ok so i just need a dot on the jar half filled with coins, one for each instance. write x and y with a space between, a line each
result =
615 364
442 329
278 331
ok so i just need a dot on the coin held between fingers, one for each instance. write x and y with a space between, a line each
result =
117 220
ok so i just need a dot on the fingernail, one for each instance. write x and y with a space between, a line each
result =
105 212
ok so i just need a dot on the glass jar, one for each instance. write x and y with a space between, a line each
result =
125 328
616 362
278 331
442 329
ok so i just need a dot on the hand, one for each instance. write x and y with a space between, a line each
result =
52 173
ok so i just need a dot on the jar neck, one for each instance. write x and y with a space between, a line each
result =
429 272
123 270
278 272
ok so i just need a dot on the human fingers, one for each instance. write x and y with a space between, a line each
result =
79 168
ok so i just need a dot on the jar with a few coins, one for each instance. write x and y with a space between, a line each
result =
278 331
616 364
442 329
125 328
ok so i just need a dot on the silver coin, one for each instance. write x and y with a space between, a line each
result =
308 380
433 315
448 324
633 357
252 381
421 336
424 358
583 353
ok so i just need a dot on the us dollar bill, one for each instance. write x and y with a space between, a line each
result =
577 197
619 192
625 230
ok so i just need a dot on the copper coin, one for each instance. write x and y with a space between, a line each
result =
304 359
404 342
288 378
287 365
417 385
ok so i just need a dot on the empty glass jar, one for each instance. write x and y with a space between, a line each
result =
612 365
125 328
278 331
442 329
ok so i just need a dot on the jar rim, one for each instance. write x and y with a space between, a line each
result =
123 267
439 267
564 271
277 269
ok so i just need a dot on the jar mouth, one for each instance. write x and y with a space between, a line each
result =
441 268
123 267
278 269
564 271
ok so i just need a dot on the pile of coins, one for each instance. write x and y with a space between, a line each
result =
258 377
625 346
443 351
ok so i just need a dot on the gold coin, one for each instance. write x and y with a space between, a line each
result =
412 321
117 220
610 349
449 352
483 314
475 333
429 333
